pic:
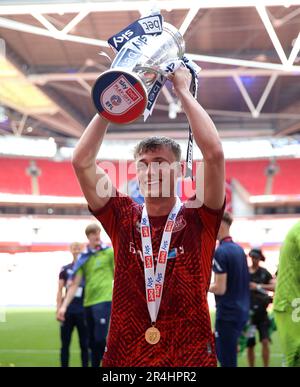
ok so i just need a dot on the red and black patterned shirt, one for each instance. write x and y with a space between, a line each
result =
183 318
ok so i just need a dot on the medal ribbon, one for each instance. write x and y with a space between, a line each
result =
154 281
194 70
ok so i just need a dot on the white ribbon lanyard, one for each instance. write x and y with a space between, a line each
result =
154 281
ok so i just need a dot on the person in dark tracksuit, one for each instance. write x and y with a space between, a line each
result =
231 289
75 316
261 283
96 266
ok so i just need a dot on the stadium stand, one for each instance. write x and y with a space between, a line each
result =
57 178
251 174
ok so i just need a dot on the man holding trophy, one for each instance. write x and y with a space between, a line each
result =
163 250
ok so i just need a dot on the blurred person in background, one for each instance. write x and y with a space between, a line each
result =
261 283
74 317
287 297
231 289
96 266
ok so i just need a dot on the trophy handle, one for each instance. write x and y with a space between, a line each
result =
151 70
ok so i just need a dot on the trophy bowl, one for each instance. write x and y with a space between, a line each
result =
121 94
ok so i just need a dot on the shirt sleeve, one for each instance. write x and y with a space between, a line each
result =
219 262
63 274
269 277
210 218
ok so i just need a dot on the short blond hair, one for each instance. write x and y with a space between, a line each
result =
92 229
75 244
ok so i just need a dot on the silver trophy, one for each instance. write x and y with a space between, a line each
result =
147 51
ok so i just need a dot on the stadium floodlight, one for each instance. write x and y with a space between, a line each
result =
22 146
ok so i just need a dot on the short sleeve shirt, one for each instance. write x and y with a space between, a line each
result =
183 319
231 259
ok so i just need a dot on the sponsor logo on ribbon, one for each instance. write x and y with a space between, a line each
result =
150 282
147 249
145 231
162 257
158 289
151 295
149 25
148 261
152 96
118 40
169 225
159 278
126 58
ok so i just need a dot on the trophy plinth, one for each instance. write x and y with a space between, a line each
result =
120 96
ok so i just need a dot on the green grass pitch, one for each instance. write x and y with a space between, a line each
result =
30 338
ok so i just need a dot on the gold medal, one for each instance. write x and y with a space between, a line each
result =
152 335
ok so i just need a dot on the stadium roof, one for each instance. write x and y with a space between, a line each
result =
248 52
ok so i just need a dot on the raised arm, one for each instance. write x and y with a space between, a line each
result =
206 138
93 180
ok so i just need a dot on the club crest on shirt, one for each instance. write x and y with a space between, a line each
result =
180 223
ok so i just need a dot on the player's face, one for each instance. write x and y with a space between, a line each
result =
75 249
94 238
255 261
157 172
